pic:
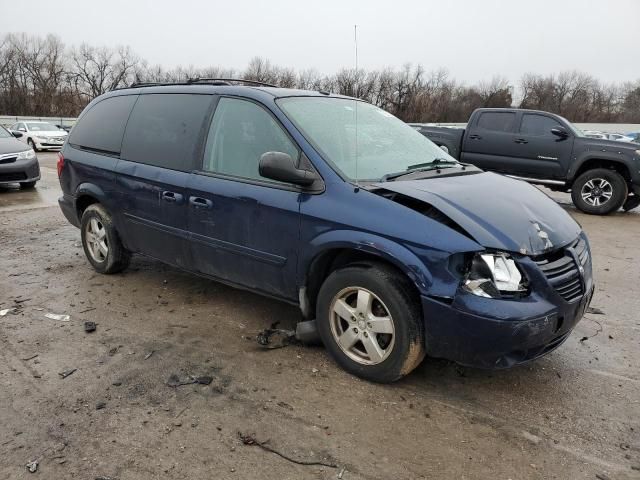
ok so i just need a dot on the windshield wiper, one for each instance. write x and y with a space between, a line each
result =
421 167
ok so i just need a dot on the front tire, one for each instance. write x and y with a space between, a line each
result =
27 185
599 191
101 242
32 144
370 321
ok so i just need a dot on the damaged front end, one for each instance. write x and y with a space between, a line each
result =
520 295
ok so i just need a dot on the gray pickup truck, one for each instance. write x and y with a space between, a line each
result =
546 149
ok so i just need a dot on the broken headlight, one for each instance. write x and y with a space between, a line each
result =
494 275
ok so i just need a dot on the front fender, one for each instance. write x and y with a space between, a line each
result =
606 155
388 250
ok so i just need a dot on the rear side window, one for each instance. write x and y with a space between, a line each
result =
497 121
102 127
241 131
164 130
537 125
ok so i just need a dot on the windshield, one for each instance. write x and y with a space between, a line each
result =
384 143
4 133
41 127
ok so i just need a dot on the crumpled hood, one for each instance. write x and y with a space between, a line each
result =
498 212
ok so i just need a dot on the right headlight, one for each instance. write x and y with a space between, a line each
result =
494 275
27 155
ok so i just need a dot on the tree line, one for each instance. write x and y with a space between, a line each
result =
40 76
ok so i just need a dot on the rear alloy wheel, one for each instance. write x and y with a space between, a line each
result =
371 322
101 241
599 192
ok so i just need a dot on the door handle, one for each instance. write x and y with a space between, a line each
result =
198 202
475 137
171 197
521 141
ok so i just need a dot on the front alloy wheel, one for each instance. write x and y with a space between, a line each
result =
362 326
370 320
597 192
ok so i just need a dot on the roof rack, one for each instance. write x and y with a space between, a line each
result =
226 81
196 81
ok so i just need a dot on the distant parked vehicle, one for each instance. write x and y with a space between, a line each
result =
543 148
18 163
635 136
40 135
618 137
592 134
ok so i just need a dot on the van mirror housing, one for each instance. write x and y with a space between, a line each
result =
560 132
281 167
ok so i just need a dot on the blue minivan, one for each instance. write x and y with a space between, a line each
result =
332 204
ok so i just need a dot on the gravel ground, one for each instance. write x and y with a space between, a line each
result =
573 414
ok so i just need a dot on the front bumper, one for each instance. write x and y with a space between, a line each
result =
48 144
501 333
20 171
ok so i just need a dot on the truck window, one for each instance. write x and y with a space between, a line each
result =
497 121
163 130
537 125
102 126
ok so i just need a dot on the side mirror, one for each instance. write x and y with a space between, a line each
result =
560 132
16 134
281 167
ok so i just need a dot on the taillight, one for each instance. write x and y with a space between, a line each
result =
60 163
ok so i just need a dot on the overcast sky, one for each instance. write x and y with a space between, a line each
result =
473 39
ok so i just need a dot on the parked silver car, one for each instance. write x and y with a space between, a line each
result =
40 135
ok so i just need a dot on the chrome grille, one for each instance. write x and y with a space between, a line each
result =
563 272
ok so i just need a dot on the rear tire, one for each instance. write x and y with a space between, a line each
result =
101 242
599 191
379 336
27 185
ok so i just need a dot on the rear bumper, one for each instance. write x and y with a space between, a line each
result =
521 334
20 171
67 204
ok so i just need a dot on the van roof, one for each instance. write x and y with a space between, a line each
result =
250 91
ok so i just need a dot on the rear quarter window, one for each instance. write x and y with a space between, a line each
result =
497 121
164 130
102 126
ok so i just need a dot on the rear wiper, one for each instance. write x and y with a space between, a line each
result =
421 167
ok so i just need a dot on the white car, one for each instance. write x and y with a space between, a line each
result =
40 135
618 137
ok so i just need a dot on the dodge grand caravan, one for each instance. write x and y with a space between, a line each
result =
324 201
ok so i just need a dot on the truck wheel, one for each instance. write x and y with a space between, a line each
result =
599 191
370 322
101 241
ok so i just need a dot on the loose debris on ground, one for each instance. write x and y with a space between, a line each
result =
66 373
274 337
252 441
175 380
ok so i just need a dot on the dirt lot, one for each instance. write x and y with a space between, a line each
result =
573 414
